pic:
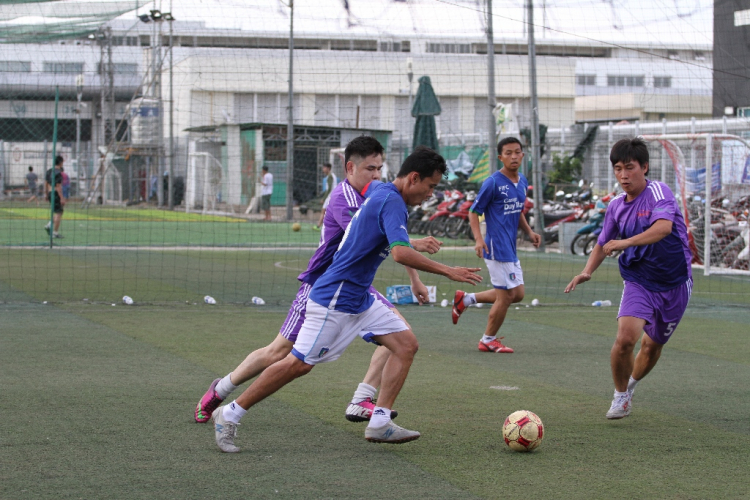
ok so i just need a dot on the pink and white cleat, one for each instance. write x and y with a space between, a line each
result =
208 403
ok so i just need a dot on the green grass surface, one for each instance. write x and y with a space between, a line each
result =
99 399
108 393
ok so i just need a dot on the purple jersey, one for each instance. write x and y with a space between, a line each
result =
343 204
660 266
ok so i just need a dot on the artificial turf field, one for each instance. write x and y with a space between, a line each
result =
99 400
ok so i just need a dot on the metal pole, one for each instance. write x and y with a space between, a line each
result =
707 207
290 122
170 181
492 101
160 121
610 143
79 95
663 152
52 193
535 149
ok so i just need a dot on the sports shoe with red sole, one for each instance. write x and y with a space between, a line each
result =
494 346
458 305
208 403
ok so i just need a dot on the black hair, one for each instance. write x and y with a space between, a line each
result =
506 141
31 169
327 165
626 150
59 160
264 168
424 161
362 147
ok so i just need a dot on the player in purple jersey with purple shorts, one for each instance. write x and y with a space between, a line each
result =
363 158
655 267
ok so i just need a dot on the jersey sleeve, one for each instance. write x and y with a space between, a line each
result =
392 222
610 231
483 199
665 205
342 213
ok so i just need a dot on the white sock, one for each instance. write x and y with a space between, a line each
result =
363 392
380 417
225 387
470 299
487 340
618 393
234 412
631 385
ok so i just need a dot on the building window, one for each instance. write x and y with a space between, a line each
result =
625 81
589 80
449 48
662 82
673 54
63 67
699 55
395 47
15 66
120 68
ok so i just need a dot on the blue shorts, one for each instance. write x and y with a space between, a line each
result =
296 316
662 311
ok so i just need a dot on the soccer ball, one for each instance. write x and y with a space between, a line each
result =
296 226
523 431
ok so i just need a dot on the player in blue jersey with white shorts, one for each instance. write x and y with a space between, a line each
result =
363 160
654 264
340 306
500 200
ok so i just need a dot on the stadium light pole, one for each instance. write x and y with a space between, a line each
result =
290 122
170 182
535 147
491 100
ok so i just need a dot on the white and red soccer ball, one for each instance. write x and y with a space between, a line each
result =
523 430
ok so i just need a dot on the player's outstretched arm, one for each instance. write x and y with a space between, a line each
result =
429 245
596 258
657 232
407 256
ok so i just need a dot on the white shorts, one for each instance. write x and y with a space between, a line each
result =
505 275
326 334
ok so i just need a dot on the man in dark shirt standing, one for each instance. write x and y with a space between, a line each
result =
59 201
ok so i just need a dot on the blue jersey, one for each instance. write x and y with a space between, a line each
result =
378 226
501 200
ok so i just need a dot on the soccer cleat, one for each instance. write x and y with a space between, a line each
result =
390 433
47 228
458 305
494 346
57 236
225 432
207 404
362 411
621 406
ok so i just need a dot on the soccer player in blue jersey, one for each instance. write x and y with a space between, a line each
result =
500 200
654 264
363 160
340 306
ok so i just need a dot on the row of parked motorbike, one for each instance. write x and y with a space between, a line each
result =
446 215
730 233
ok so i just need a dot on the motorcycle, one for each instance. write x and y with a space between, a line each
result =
585 238
458 222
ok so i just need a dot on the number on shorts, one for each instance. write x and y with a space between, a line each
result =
670 329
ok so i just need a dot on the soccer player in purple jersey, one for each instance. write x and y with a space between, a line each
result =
340 306
363 158
655 267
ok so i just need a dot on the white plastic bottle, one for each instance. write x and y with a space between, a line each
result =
258 301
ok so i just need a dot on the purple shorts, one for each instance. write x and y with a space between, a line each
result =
662 311
296 316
